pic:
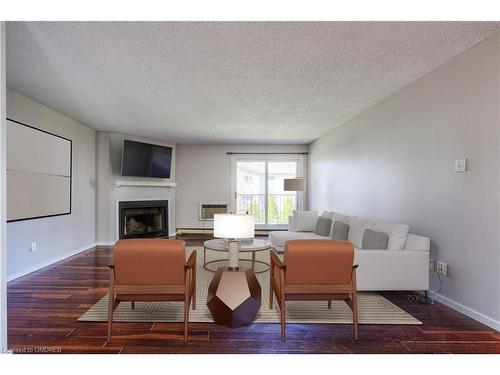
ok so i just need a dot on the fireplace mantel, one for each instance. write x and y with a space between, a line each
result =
168 184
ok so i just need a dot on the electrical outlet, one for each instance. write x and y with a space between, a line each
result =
461 165
432 264
33 247
442 268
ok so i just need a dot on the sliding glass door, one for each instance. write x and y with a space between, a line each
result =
250 192
280 203
257 188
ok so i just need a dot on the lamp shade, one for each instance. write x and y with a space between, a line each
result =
294 184
234 226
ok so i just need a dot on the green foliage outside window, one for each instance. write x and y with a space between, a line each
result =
279 207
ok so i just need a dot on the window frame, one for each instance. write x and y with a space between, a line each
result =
301 197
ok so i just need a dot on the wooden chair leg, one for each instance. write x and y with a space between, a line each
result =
329 304
354 296
282 303
111 303
271 296
194 287
193 295
355 315
186 318
271 278
283 323
133 305
110 315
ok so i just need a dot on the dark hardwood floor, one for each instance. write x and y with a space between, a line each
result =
43 308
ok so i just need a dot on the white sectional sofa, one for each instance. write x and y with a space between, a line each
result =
403 266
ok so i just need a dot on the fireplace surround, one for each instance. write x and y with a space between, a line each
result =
143 219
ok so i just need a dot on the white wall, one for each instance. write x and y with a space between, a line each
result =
3 215
103 190
109 153
59 236
204 175
395 161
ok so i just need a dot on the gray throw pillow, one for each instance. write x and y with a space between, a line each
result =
340 230
374 240
323 226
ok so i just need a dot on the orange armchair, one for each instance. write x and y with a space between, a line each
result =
152 270
314 270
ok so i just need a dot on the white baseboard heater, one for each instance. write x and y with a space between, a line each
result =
208 210
210 231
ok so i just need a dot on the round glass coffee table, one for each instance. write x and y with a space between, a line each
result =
249 246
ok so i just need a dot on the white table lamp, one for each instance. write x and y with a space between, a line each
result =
234 227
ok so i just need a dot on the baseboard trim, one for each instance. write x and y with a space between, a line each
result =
106 243
49 262
471 313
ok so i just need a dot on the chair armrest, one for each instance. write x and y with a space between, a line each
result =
191 262
276 261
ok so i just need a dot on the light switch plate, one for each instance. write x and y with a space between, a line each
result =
460 165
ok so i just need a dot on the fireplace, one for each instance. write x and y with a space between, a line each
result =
140 219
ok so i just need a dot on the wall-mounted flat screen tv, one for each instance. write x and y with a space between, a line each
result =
146 160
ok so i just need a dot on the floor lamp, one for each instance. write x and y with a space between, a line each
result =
295 184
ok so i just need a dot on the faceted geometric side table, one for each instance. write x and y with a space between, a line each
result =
234 297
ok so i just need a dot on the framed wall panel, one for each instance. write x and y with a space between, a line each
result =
38 173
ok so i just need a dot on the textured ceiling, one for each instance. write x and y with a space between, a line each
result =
220 82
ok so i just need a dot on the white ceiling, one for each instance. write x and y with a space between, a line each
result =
221 82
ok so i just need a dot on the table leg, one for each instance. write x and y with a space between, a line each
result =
253 260
204 256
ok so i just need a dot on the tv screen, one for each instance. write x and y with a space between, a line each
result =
146 160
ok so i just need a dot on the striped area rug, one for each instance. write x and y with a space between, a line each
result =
372 307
